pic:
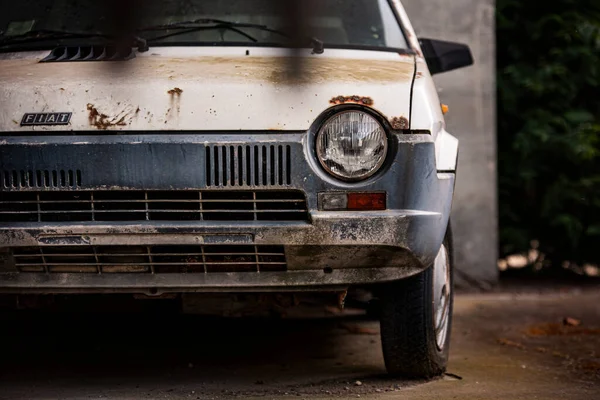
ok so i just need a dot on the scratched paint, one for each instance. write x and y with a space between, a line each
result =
102 121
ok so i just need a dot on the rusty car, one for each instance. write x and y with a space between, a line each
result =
210 148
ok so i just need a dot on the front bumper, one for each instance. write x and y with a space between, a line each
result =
330 250
334 250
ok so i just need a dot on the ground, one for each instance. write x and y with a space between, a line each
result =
507 345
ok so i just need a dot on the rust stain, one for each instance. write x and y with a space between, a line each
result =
419 75
366 101
103 121
121 121
175 101
175 92
94 114
400 123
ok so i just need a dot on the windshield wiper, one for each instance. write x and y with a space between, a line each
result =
41 35
185 27
189 28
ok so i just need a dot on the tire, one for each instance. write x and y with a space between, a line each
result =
411 346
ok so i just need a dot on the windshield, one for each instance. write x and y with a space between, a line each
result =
337 23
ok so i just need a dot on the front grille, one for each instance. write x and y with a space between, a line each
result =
138 206
251 165
149 259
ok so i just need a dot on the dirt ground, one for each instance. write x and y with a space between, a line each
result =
505 346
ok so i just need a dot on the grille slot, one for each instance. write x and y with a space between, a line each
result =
137 206
31 179
149 259
250 165
89 53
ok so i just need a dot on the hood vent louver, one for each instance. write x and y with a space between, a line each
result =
89 53
40 179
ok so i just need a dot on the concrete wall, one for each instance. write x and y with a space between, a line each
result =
470 94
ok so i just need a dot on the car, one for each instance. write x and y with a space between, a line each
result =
224 146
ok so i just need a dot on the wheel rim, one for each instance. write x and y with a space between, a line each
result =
441 296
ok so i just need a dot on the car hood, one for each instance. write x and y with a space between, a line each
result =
203 89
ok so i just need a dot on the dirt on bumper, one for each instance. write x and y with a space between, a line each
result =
333 250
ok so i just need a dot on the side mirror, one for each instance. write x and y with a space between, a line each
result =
444 56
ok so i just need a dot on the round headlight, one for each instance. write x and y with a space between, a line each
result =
352 145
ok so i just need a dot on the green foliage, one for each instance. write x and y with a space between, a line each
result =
549 127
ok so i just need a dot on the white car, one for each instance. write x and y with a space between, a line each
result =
230 146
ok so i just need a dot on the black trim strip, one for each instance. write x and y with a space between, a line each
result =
412 89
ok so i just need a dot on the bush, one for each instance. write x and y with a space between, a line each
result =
548 127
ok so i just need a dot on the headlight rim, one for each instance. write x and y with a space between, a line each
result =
342 110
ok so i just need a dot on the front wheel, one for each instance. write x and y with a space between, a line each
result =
416 319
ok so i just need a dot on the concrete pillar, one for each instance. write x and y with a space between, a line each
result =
471 95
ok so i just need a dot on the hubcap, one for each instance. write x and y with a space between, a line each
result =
441 296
